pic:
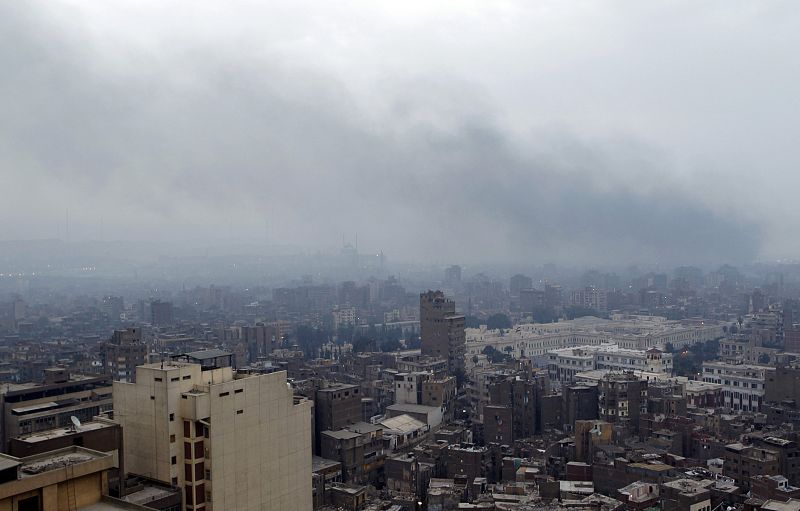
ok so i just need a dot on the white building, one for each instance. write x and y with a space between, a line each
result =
343 317
230 443
565 363
626 331
742 384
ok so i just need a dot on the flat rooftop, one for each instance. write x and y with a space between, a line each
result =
41 436
55 460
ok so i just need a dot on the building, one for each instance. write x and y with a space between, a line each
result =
336 407
626 331
34 407
742 384
686 495
359 450
590 298
68 479
622 398
235 442
261 339
123 353
452 276
342 317
519 282
773 487
161 313
744 461
442 330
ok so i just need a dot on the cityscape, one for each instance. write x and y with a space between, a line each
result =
399 256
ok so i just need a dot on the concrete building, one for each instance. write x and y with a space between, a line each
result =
345 316
33 407
68 479
123 353
261 339
744 461
622 399
336 407
590 298
442 330
161 313
742 384
230 442
686 495
626 331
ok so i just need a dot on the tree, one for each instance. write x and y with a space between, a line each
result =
472 322
576 311
390 345
498 320
544 314
495 356
363 344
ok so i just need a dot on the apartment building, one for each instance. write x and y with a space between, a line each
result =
230 442
742 384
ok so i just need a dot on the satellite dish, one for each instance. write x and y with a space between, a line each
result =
75 422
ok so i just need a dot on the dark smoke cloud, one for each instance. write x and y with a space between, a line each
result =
207 143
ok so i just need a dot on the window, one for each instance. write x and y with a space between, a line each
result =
172 417
187 429
172 439
158 379
187 377
238 391
223 394
174 460
174 379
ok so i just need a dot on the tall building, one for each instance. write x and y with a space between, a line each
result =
622 398
261 339
442 330
230 442
161 313
452 275
335 407
123 353
519 282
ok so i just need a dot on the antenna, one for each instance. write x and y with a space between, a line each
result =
76 422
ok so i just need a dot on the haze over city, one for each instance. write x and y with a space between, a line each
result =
473 131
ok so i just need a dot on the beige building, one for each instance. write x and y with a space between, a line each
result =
232 443
73 478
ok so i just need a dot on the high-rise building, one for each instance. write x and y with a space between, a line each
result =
336 407
519 282
123 353
452 275
622 399
230 442
161 313
442 330
261 339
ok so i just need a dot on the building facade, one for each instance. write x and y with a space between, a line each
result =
230 443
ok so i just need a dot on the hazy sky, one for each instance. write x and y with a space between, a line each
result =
450 131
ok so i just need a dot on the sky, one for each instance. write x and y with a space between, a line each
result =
454 131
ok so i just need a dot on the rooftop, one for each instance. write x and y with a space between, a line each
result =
777 505
403 423
41 436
